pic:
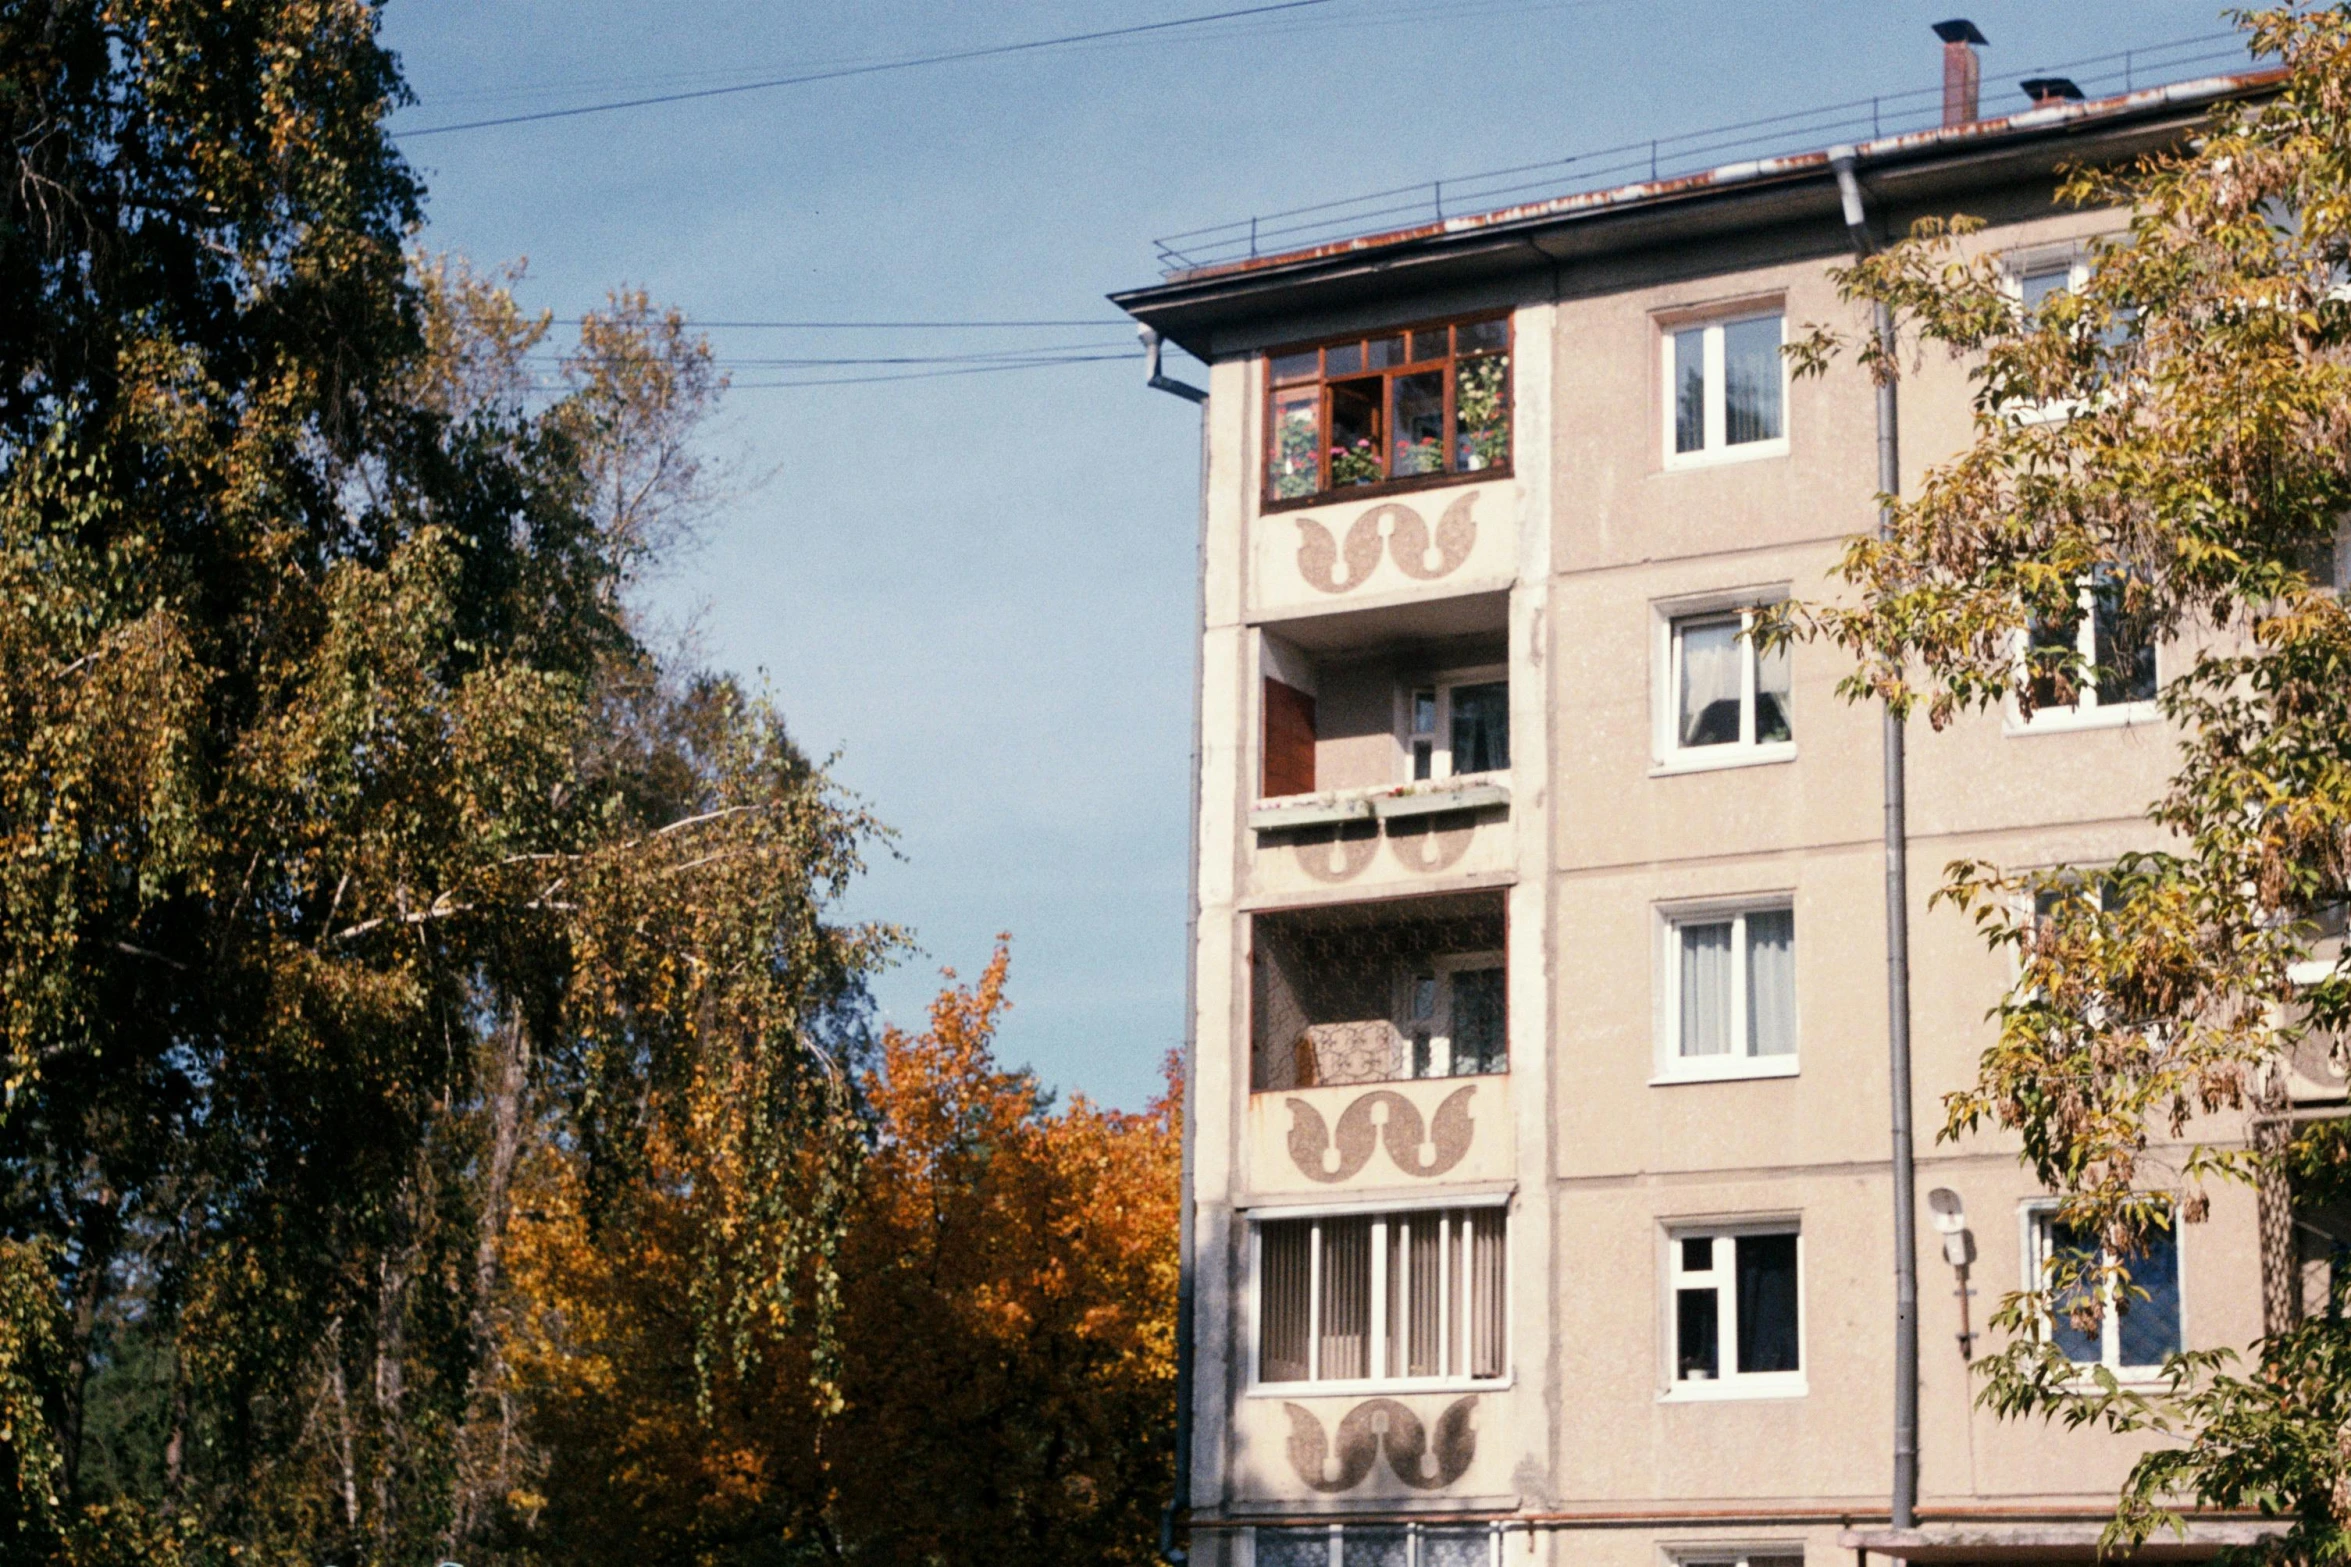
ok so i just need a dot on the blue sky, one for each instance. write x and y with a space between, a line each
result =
975 590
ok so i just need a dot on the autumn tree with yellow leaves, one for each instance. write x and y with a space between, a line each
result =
1005 1365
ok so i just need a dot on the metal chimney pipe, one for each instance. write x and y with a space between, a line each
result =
1963 72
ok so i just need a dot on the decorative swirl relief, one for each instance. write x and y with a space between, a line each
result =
1406 541
1377 1425
1420 849
1320 1157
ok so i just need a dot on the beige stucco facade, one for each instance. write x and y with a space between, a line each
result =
1590 1446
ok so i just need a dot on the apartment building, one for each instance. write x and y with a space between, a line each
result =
1541 1190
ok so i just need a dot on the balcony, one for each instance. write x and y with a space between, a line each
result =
1384 759
1403 990
1341 553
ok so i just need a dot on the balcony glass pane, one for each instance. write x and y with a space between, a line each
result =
1293 465
1285 1311
1386 353
1346 1299
1481 413
1416 414
1480 337
1355 432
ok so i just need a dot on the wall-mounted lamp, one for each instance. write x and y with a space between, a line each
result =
1950 1221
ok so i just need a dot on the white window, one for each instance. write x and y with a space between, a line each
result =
1413 1298
1382 1545
1780 1554
1736 1313
1726 389
1458 725
1729 1007
2114 681
1724 701
1453 1016
2129 1328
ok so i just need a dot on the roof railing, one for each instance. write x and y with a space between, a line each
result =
1659 158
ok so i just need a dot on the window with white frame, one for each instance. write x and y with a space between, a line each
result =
1383 1545
1730 992
1736 1294
1417 1296
1779 1555
2127 1327
1458 725
2097 662
1455 1022
1726 388
1726 699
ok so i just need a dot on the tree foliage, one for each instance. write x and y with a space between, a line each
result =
351 838
2175 435
1006 1339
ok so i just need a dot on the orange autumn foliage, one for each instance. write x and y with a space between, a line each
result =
1006 1342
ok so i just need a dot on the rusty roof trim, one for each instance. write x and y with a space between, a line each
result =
2204 89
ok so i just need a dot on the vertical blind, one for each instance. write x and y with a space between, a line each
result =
1387 1296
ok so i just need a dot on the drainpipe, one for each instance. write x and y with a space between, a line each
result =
1180 1498
1905 1497
1161 383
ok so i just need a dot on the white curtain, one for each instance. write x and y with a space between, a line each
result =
1710 683
1771 982
1706 989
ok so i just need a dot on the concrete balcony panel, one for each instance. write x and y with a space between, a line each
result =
1298 1452
1341 556
1373 842
1389 1138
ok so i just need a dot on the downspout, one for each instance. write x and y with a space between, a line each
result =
1180 1498
1905 1498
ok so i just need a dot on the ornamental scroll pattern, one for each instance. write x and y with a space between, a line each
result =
1343 565
1321 1157
1383 1425
1343 856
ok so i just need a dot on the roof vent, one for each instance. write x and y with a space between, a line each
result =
2049 91
1962 71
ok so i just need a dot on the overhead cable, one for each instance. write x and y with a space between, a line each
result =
877 68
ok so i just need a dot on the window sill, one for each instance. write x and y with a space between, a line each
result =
1736 1389
1737 1069
2073 720
1384 803
1386 487
1391 1386
1714 758
1715 457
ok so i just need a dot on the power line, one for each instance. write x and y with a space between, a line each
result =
926 375
908 63
1421 13
827 326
